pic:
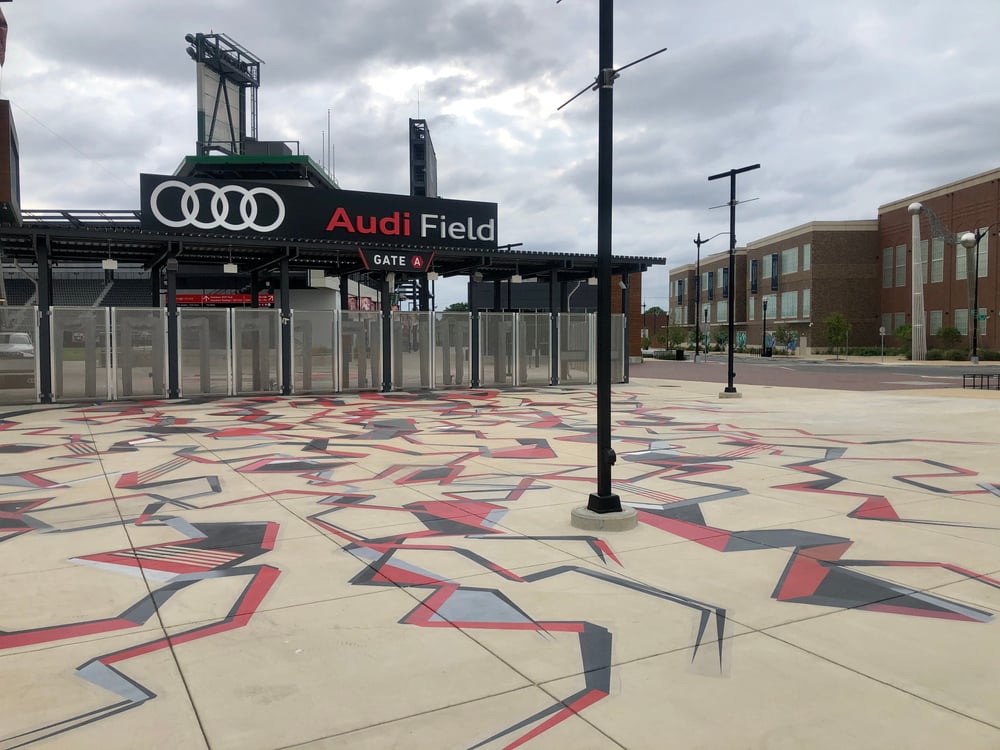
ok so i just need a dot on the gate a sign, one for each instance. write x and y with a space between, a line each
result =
404 261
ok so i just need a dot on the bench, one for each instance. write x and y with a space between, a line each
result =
981 380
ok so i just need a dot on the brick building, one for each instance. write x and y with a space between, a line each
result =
862 270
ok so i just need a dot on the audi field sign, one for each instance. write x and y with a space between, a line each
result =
193 206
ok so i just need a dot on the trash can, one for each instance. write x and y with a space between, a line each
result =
679 354
768 351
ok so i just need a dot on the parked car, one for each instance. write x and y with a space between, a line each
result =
16 346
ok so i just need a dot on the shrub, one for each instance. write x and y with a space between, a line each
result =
935 354
955 355
950 336
989 356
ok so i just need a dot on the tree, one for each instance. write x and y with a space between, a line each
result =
457 307
837 330
950 336
904 334
675 336
655 310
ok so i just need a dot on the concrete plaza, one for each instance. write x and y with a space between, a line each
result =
812 569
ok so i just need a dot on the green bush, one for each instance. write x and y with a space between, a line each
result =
935 354
956 355
988 356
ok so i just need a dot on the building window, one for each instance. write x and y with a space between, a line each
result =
724 282
984 244
766 261
706 282
923 259
789 305
962 320
887 322
898 321
680 291
806 303
937 260
772 304
806 257
936 322
961 267
900 265
721 311
706 313
790 260
887 268
775 268
752 309
753 276
710 285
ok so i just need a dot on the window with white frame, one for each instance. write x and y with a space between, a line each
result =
937 261
935 322
790 260
706 313
898 321
923 259
789 305
887 268
722 311
806 303
961 320
900 265
766 261
887 322
961 263
752 309
806 257
772 304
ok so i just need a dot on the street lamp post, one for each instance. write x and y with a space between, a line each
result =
731 174
763 333
698 241
970 241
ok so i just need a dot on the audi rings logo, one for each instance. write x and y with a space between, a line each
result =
218 211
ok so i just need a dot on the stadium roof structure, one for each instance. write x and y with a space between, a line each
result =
93 235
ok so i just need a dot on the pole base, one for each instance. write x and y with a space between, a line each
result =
730 394
598 503
624 520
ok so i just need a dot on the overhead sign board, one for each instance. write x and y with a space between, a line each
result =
190 205
223 299
396 260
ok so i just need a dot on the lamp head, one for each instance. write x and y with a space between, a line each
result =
968 240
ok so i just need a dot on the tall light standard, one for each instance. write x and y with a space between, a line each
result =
731 174
698 241
970 241
763 333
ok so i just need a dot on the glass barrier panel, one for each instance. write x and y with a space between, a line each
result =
411 350
314 351
534 339
452 349
205 351
80 355
576 347
496 343
617 348
360 350
255 350
18 358
139 351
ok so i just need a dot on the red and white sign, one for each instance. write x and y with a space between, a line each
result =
223 299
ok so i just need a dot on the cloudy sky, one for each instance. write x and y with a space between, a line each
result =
846 105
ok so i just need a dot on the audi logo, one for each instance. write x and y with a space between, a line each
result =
219 206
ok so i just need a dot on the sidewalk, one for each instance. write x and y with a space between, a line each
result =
812 569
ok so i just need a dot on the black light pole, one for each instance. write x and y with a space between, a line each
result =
970 241
763 333
604 501
731 174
